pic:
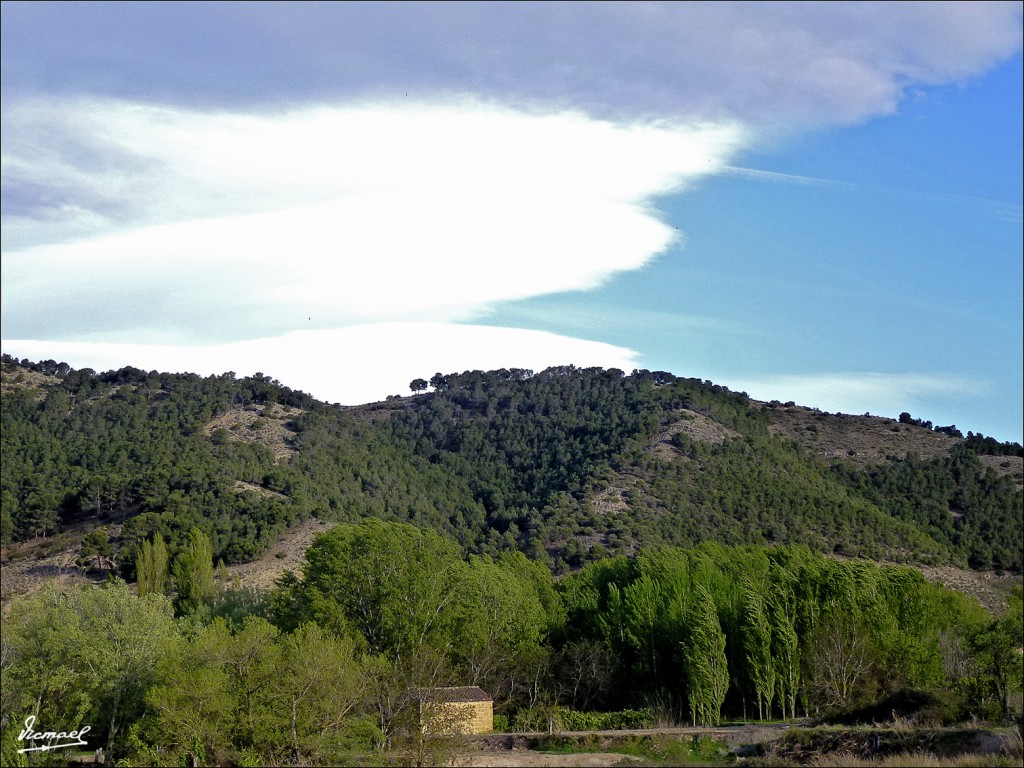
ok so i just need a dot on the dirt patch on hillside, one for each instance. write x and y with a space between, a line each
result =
868 440
24 378
695 426
269 426
380 411
990 588
24 577
859 440
1011 466
288 554
611 500
241 485
28 565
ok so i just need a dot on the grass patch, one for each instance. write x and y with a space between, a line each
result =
699 750
652 749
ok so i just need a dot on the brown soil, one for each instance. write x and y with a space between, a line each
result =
696 426
859 440
992 589
32 564
611 500
288 554
381 411
23 378
529 758
241 485
268 426
522 749
28 565
867 440
1007 465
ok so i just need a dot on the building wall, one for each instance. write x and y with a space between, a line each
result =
460 717
480 717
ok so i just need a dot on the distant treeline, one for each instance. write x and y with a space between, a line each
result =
981 445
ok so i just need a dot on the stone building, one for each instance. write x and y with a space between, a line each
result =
463 709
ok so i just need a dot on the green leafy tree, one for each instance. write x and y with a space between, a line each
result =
193 573
704 654
998 652
318 695
785 648
8 509
500 619
193 711
397 585
151 567
86 656
757 648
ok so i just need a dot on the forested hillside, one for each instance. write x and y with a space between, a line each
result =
566 465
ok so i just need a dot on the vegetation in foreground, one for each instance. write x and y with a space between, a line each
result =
319 671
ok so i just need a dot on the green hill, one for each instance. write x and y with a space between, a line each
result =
567 465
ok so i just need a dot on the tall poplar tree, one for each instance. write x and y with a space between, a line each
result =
193 572
704 655
151 567
757 650
785 647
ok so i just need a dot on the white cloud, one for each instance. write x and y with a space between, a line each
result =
247 225
886 394
358 364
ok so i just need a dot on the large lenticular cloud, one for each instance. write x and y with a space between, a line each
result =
250 224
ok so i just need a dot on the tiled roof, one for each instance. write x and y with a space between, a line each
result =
453 694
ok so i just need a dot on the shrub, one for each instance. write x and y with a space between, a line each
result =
626 719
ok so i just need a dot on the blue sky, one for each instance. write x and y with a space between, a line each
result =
809 202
